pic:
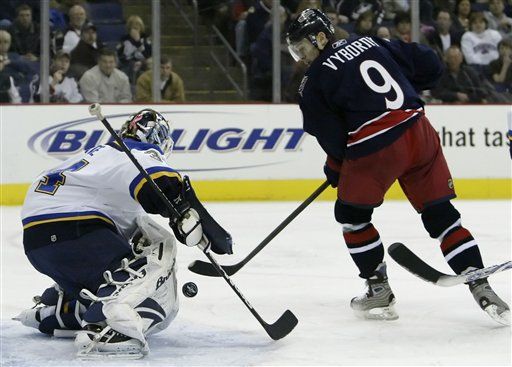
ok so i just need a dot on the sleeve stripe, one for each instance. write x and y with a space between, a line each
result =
154 172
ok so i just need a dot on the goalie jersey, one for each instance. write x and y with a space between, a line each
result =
102 186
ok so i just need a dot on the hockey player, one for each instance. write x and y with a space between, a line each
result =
85 226
359 98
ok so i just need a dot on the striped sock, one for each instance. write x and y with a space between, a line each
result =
460 249
365 247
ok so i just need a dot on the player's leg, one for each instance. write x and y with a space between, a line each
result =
367 252
137 299
429 187
363 183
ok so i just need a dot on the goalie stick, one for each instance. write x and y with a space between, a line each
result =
277 330
207 269
411 262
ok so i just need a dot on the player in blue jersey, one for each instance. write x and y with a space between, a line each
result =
85 226
359 98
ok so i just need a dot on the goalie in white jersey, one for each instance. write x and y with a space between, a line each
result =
85 226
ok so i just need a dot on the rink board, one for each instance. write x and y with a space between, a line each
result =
245 152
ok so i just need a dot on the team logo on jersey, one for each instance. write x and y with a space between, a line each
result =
154 154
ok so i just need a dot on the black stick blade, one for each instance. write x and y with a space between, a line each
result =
410 261
283 326
207 269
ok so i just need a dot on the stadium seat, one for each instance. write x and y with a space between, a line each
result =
105 13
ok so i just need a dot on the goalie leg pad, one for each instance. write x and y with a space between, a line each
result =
139 297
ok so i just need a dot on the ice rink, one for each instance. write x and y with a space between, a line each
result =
308 270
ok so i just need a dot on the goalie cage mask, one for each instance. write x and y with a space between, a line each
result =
149 126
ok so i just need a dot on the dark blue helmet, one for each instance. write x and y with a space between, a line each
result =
308 24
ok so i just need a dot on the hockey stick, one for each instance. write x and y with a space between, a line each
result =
204 268
411 262
279 328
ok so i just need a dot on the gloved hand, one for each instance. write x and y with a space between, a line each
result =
188 230
332 171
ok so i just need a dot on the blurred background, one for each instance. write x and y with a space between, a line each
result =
231 50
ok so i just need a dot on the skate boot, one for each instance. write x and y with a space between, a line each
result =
97 342
378 301
489 301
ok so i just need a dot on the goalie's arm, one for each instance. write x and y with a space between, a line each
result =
187 225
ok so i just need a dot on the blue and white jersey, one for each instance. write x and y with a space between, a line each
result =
100 184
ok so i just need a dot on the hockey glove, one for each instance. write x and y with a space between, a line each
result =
332 171
189 230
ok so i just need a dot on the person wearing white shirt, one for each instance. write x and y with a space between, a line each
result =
480 45
77 17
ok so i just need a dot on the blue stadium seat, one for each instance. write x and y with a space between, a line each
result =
105 13
110 33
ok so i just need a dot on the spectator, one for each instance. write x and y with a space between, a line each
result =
352 9
77 18
384 32
134 49
461 20
25 34
443 36
309 4
364 24
8 90
392 7
336 21
257 17
63 88
459 83
402 28
104 82
261 68
171 84
497 19
480 45
500 70
85 55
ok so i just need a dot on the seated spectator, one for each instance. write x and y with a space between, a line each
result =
171 84
500 70
104 82
384 32
443 36
497 19
77 18
402 28
134 49
85 55
352 9
25 34
309 4
364 25
261 67
480 45
63 88
393 7
461 20
459 83
257 16
336 21
8 90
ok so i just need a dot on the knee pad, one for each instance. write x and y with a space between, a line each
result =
348 214
437 218
141 293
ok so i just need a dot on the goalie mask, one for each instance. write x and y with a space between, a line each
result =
149 126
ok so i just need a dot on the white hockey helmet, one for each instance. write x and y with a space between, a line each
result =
149 126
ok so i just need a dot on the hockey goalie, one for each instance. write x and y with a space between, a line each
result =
85 225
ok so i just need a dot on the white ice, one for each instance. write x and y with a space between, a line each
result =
308 270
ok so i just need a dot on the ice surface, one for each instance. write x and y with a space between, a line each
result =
308 270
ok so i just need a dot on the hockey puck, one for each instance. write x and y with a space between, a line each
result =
189 289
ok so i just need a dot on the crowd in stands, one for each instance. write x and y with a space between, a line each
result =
99 56
96 55
473 37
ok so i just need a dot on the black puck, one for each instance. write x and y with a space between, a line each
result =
189 289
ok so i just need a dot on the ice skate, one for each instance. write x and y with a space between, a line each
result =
378 301
96 342
489 301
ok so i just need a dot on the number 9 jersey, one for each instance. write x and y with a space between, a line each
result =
101 185
361 94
